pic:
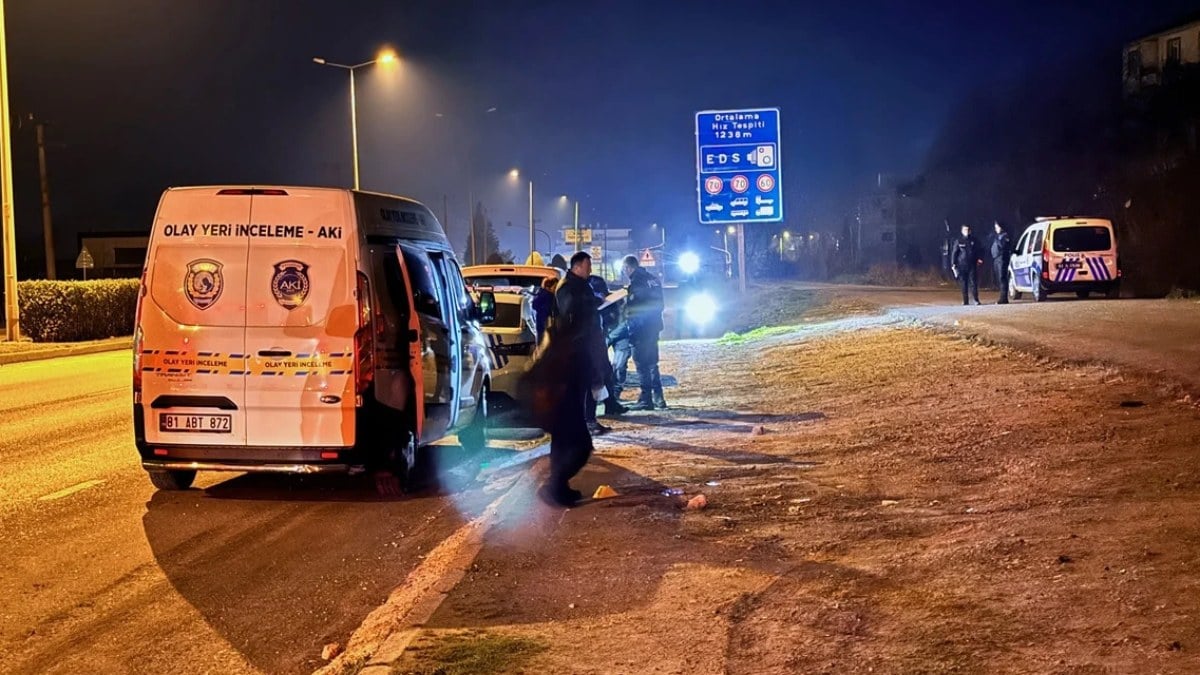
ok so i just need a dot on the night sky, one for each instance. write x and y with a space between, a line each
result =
594 99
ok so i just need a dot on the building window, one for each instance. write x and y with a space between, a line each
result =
1133 63
1174 51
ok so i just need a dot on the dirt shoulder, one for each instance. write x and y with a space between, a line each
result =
918 503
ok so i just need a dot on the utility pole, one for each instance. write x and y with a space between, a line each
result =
471 218
578 240
47 223
741 244
12 312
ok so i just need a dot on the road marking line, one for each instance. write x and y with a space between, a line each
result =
387 631
67 492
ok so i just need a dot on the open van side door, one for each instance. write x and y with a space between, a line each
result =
439 339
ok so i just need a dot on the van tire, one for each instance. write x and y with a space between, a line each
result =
1113 292
473 438
1083 295
1039 293
172 480
1013 293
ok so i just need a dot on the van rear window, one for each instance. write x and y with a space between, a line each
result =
1082 238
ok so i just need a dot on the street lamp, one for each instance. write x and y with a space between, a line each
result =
783 237
578 241
385 57
12 321
515 174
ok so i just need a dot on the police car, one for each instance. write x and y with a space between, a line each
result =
512 336
1065 255
302 330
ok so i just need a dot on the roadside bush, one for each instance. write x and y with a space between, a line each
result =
71 311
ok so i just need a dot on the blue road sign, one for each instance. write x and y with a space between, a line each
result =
737 166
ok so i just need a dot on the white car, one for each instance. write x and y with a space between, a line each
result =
512 336
714 207
740 201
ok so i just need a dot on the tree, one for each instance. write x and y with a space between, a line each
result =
486 244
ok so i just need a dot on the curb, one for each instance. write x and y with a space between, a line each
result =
113 345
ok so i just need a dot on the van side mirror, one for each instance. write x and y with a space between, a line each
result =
485 309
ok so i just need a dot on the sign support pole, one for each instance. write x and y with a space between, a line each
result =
741 244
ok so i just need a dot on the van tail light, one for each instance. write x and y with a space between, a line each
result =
1046 259
137 341
364 339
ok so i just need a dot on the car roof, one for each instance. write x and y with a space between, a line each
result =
494 270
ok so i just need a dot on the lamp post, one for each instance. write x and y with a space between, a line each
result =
385 57
515 174
12 316
783 237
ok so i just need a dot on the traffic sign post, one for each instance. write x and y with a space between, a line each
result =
738 166
84 262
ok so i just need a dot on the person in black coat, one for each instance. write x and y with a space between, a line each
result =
644 314
1002 251
577 338
967 256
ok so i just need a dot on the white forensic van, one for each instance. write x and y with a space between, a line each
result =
302 330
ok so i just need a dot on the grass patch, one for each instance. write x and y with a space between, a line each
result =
473 653
756 334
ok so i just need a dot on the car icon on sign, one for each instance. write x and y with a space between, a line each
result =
742 213
714 207
740 201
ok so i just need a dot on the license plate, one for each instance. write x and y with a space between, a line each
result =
202 424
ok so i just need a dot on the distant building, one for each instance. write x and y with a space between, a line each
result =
114 254
876 222
1152 60
607 245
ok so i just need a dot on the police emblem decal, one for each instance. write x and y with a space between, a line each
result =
289 284
203 282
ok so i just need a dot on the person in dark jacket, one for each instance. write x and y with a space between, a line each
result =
643 313
1001 255
543 306
612 406
574 327
967 255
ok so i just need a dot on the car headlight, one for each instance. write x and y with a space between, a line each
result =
689 263
700 308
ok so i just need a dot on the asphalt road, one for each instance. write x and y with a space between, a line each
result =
243 574
1159 337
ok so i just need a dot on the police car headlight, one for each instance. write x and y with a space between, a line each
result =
700 308
689 263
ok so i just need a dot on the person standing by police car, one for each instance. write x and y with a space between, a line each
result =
967 257
1001 255
643 313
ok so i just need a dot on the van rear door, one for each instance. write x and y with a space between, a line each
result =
1084 250
192 321
301 317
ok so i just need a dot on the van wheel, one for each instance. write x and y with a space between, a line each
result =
1083 295
1113 292
474 437
1013 293
172 480
1039 293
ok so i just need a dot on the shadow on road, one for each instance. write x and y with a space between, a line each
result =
279 565
603 558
